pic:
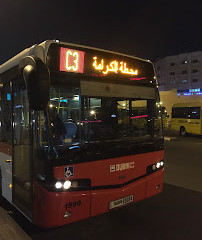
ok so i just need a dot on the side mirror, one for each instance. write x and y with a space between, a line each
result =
37 80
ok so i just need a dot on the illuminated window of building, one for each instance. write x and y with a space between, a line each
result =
184 81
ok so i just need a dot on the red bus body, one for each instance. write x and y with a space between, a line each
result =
94 202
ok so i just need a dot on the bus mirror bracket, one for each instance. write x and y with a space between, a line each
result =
37 80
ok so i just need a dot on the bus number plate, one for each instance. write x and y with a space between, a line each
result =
121 202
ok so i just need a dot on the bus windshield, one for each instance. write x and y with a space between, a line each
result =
79 119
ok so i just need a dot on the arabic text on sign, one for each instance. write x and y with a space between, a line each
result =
113 66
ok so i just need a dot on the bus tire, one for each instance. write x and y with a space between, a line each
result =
183 131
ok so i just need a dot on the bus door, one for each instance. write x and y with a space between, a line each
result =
22 150
6 141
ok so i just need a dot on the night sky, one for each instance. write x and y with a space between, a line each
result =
148 29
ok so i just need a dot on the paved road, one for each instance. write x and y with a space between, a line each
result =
175 214
183 162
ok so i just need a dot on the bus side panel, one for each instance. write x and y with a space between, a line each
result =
176 123
195 126
49 208
190 125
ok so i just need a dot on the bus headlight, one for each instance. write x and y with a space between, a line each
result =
158 165
67 184
64 185
58 185
155 167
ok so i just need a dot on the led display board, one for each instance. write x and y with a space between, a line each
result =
92 62
71 60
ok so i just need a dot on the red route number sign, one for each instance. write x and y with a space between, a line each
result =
71 60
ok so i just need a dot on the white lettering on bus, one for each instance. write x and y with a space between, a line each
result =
122 166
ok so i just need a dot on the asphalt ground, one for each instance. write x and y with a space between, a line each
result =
174 214
183 162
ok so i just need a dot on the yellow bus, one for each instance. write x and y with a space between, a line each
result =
186 118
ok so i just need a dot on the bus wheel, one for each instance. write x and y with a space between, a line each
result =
183 131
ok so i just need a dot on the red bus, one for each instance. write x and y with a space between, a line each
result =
80 132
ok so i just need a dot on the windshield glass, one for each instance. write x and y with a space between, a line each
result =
81 119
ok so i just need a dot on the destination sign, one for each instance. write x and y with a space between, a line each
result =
91 62
71 60
113 66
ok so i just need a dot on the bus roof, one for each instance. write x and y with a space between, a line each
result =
40 50
188 104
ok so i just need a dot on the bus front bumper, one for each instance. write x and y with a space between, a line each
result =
53 209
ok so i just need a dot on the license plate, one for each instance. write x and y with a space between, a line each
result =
121 202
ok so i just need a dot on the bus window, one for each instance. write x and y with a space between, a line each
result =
64 115
6 119
40 143
116 119
22 176
180 112
42 128
139 116
194 112
123 112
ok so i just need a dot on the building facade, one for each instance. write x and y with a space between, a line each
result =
182 72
